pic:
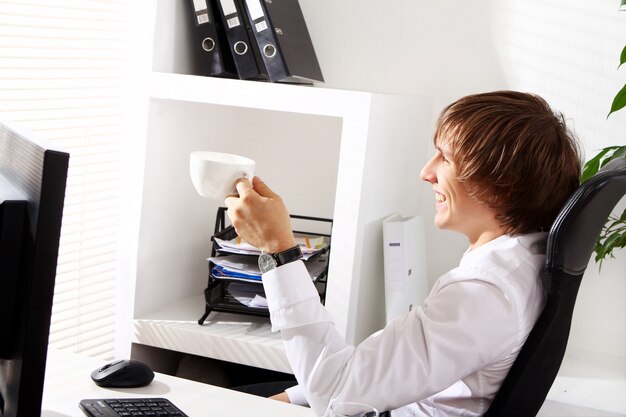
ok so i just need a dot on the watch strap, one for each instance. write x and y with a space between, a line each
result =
287 256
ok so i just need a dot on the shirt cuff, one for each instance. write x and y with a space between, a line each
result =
296 396
292 298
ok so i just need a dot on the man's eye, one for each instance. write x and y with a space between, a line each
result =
442 156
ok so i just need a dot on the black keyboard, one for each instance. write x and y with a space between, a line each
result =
114 407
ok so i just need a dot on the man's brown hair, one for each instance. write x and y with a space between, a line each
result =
513 153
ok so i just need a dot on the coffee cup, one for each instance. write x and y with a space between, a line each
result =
214 174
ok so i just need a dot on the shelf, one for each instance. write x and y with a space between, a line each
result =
234 338
261 95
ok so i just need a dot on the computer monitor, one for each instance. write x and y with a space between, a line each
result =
32 189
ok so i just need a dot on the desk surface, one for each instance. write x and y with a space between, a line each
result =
68 381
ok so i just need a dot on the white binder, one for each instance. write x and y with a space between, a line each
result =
406 282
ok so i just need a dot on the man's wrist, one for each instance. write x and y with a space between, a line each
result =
283 245
286 256
270 261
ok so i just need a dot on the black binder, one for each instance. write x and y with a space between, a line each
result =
264 37
283 41
234 20
211 46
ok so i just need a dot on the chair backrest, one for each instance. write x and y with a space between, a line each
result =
570 244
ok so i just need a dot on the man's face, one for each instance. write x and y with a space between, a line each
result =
456 210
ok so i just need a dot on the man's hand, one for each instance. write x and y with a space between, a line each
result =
281 397
260 217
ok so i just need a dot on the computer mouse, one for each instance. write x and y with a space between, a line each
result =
127 373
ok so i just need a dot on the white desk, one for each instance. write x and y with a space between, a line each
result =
68 381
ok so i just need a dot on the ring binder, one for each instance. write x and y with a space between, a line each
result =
234 20
265 38
211 47
293 41
282 39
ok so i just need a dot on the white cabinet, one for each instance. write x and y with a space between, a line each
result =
348 155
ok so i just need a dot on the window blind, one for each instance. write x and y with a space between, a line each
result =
62 69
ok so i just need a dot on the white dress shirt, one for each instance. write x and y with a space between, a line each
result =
447 357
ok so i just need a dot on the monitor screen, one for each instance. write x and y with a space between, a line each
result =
33 176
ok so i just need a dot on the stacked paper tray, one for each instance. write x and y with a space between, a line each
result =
235 281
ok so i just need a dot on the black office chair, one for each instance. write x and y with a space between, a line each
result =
570 244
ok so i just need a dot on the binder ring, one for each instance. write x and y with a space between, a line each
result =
208 44
269 50
240 48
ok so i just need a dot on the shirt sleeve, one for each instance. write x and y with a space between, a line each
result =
296 395
459 329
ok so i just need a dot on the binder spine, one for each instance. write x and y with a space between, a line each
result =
233 19
214 58
262 31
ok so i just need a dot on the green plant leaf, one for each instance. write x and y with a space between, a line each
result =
600 251
619 101
614 241
610 241
618 152
590 169
593 165
622 5
611 223
622 57
623 216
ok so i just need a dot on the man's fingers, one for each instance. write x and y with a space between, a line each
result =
243 186
230 200
261 188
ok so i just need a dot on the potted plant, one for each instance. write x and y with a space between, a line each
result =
613 235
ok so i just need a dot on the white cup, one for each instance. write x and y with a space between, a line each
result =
214 174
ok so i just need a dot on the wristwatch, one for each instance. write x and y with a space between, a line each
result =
269 261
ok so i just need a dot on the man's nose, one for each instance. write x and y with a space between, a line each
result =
428 173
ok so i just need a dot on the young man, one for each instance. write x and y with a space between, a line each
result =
503 167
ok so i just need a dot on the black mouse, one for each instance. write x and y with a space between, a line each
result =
127 373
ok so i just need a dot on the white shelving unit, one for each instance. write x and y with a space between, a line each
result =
327 152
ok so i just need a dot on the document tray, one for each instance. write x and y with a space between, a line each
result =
244 294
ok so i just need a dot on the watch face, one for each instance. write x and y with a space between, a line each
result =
266 263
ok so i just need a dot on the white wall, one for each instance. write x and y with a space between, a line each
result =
566 51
